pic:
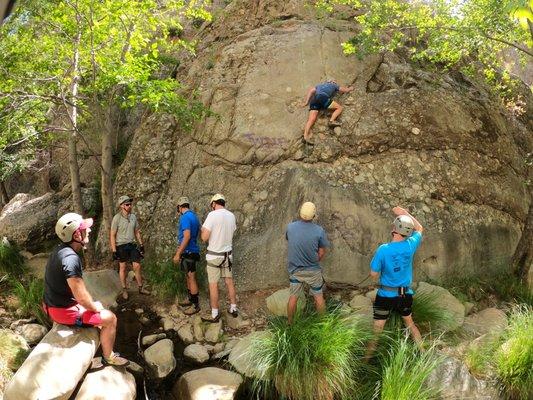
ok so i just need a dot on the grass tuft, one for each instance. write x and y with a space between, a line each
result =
405 371
30 297
168 281
514 360
317 357
11 262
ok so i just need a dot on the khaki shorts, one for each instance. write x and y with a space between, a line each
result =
214 272
311 277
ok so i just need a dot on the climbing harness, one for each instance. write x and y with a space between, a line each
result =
227 258
402 290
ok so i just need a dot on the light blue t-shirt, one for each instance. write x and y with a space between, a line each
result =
328 88
304 240
394 262
189 221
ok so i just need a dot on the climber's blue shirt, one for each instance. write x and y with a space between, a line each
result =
328 88
394 262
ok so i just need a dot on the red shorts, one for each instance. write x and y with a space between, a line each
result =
73 315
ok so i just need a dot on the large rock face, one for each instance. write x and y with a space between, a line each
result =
437 144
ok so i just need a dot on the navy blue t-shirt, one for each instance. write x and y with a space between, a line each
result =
63 263
189 221
328 88
304 240
394 262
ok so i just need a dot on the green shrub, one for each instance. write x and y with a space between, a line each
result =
514 359
316 357
11 262
479 356
405 371
30 297
168 281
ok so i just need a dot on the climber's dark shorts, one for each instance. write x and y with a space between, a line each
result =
384 305
73 315
188 262
320 101
128 252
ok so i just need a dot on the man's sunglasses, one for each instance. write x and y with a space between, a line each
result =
127 204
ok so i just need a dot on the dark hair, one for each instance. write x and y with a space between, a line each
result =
186 205
220 202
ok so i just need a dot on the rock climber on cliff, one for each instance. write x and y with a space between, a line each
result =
320 98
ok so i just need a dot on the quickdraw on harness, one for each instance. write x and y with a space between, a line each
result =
226 256
402 290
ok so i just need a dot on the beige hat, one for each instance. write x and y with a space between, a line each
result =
307 211
123 199
183 200
218 196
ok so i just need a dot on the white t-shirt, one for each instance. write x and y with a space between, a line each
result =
222 224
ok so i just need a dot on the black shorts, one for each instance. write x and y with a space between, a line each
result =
320 101
188 262
128 252
384 305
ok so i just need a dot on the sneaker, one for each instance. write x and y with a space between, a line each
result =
125 294
185 303
333 124
143 290
115 360
209 318
234 313
193 309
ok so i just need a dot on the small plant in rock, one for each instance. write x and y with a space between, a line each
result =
168 280
405 371
316 357
11 262
30 297
514 359
479 356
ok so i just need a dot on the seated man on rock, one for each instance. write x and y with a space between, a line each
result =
66 299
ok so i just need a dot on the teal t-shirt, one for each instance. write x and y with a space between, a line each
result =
394 262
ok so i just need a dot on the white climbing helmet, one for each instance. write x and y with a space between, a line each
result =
307 211
404 225
70 223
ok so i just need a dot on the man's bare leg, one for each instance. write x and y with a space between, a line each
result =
213 295
192 285
291 307
320 303
108 332
313 114
231 290
379 324
137 269
122 274
413 329
337 110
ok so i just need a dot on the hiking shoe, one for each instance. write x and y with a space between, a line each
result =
143 290
209 318
333 124
185 303
115 360
234 313
125 294
193 309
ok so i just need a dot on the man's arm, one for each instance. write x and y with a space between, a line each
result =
345 89
183 245
308 96
137 232
81 294
204 235
321 253
402 211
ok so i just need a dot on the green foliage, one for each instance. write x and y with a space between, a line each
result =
317 357
499 283
514 360
405 371
479 356
446 33
11 262
30 297
169 281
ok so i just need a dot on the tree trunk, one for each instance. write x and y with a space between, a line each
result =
73 138
3 191
107 171
522 260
